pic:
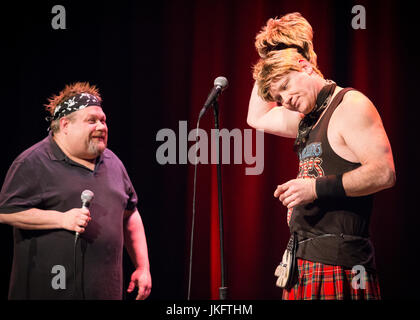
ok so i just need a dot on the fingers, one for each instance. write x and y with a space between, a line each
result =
82 220
140 293
283 191
142 280
286 194
75 219
280 189
79 229
143 293
290 201
296 192
82 224
79 219
131 286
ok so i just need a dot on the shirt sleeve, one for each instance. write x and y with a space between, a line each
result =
21 189
131 192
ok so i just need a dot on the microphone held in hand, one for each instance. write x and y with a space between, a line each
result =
220 83
86 197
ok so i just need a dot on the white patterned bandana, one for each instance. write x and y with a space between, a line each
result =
75 103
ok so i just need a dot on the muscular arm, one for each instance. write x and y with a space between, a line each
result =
276 120
364 134
362 131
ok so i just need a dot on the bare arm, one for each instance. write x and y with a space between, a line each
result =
272 119
135 242
36 219
364 134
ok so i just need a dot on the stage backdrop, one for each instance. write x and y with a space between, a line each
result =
155 64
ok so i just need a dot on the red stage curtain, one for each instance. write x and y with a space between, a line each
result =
213 38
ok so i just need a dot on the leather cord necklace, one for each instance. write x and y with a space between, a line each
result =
307 123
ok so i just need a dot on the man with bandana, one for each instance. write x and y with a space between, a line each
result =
41 199
344 157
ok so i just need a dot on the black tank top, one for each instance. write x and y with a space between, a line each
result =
336 231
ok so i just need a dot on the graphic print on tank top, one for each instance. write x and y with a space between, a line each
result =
310 166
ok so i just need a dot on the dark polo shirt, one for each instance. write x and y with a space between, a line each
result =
44 177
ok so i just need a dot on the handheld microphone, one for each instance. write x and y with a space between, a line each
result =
86 197
220 83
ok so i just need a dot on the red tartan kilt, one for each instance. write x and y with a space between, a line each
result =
317 281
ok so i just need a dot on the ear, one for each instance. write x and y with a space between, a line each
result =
306 66
64 122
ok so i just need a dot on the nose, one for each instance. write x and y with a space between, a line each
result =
287 99
101 126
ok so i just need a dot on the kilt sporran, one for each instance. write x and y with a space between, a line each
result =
286 270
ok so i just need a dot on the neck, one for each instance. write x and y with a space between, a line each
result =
319 83
89 163
323 98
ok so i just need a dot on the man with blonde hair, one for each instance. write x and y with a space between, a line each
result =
41 199
344 158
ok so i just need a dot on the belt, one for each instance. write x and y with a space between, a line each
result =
341 235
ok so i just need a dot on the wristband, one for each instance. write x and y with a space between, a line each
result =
329 187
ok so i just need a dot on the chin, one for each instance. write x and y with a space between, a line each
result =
100 149
305 110
96 149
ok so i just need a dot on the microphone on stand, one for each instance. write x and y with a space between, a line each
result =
220 83
86 197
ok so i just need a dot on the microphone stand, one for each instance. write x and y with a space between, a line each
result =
223 290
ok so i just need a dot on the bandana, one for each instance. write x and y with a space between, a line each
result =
282 46
75 103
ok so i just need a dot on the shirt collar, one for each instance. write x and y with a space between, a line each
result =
55 153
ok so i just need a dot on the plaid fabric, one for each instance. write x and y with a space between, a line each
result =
317 281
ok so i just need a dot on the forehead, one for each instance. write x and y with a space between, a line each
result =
280 81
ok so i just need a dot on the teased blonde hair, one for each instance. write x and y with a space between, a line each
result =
290 30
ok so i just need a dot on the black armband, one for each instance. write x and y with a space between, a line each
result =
330 187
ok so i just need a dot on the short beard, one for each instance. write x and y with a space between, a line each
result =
93 148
